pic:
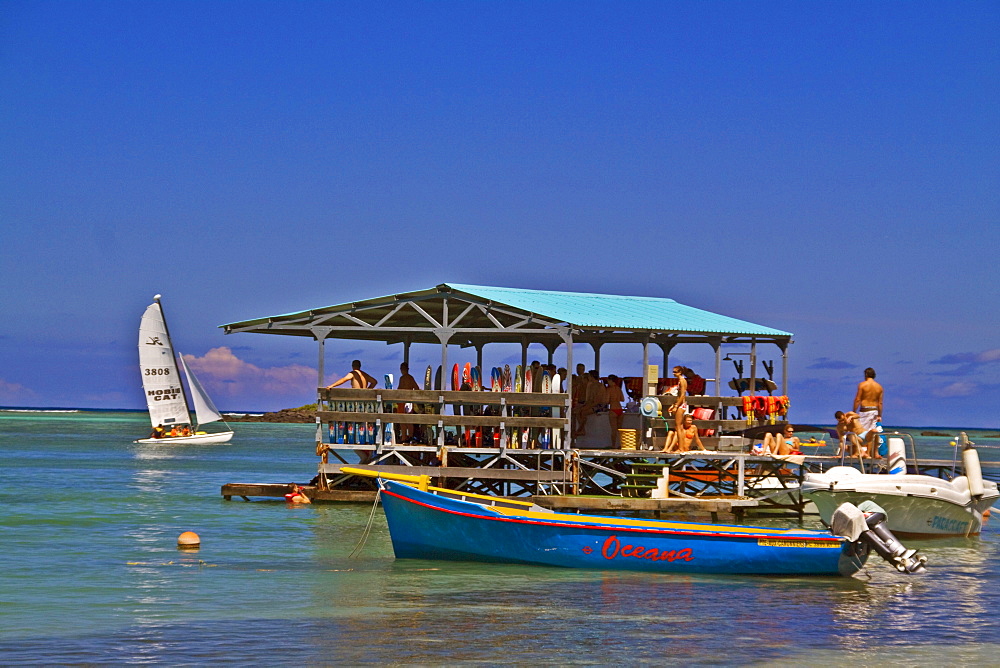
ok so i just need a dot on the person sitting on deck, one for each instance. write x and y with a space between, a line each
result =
682 440
157 432
850 430
359 379
785 443
297 495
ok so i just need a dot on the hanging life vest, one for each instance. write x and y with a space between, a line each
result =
748 406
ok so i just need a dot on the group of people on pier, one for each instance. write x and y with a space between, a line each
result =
857 429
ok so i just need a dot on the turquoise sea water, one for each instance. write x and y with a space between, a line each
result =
90 573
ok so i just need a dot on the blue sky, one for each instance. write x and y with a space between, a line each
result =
828 169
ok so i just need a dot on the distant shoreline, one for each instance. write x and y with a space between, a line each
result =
292 415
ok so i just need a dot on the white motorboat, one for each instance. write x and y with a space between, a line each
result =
165 397
917 505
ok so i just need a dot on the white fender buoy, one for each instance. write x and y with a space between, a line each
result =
973 471
897 456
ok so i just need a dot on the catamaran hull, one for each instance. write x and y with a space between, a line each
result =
199 439
427 526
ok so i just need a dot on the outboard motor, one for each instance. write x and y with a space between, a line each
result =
865 524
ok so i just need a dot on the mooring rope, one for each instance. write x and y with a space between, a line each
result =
368 528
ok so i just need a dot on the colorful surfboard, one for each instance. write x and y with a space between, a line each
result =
456 378
370 426
388 433
519 378
427 377
556 411
507 382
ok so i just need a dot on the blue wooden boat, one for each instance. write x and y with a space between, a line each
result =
433 523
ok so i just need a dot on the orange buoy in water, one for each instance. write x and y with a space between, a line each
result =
188 539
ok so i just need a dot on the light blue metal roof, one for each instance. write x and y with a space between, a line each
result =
617 312
386 318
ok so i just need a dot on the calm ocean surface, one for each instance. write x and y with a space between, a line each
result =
90 573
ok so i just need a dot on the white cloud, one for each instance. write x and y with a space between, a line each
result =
989 355
962 388
224 374
14 393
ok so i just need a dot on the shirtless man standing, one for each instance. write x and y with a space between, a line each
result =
359 379
868 400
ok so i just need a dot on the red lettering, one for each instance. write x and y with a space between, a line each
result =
610 548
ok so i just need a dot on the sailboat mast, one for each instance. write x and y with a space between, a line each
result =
170 342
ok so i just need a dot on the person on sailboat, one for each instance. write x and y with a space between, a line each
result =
358 378
157 432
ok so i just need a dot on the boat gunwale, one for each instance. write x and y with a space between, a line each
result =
598 522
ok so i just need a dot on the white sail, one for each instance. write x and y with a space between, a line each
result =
204 409
160 379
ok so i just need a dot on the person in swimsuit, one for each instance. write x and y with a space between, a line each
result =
682 439
868 401
615 411
358 378
406 382
679 407
785 443
297 495
850 430
581 383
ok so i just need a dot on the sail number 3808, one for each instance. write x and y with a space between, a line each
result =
157 372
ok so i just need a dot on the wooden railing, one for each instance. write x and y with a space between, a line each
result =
509 411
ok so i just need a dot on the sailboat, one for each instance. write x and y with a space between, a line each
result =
165 397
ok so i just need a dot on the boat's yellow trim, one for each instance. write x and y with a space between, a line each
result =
422 482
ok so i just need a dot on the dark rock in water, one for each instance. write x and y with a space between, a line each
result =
284 415
934 433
